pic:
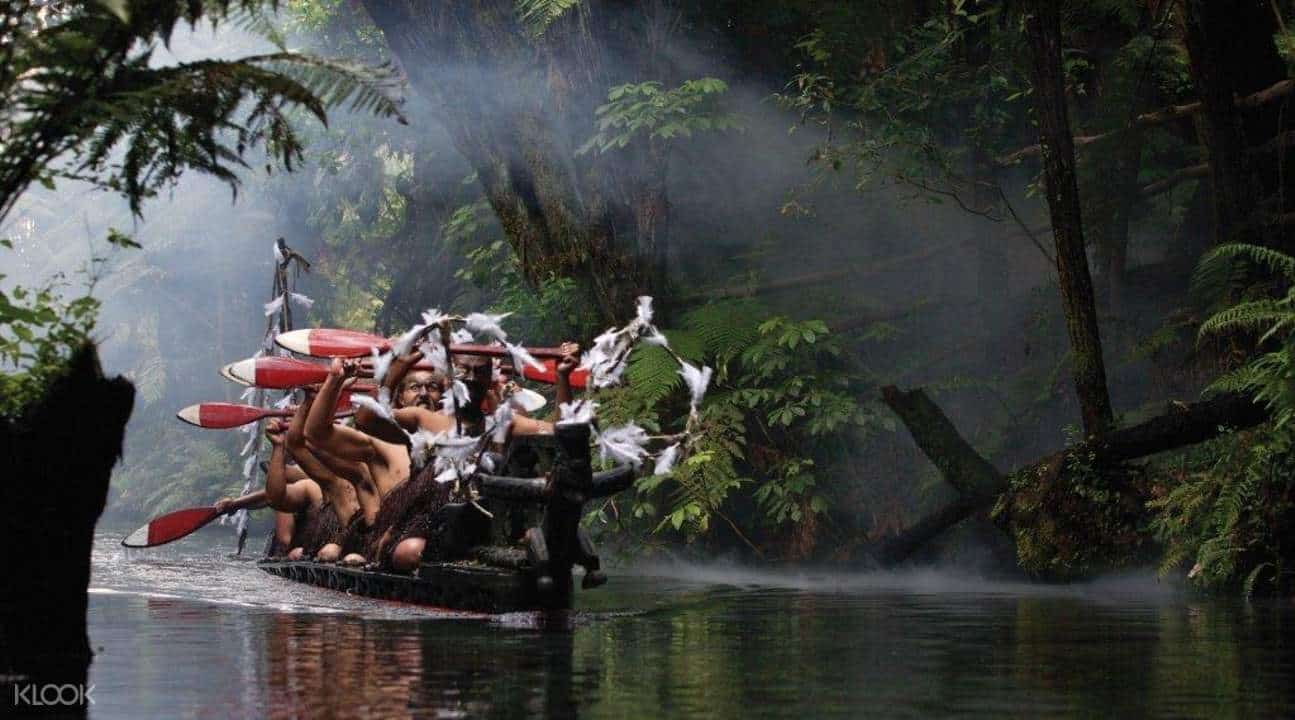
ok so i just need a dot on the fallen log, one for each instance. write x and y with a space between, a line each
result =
979 483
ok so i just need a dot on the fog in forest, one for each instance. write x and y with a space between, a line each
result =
961 298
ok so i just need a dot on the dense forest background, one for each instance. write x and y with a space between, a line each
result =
1065 224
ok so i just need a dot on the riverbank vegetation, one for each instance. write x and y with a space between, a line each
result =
972 275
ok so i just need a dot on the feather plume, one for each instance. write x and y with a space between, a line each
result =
697 380
457 396
623 444
433 317
274 305
655 337
405 343
284 401
461 336
278 254
247 394
580 412
500 422
248 464
666 460
421 444
486 324
251 441
644 309
382 411
381 364
302 300
522 357
434 353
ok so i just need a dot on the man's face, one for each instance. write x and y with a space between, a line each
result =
420 388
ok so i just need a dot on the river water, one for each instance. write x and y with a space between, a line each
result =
186 631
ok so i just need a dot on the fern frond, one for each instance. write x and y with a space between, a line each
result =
537 15
1218 270
1247 317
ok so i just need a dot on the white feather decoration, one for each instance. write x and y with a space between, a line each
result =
304 301
248 464
655 337
666 460
284 401
623 444
405 343
486 324
381 364
251 440
697 380
461 336
436 355
448 475
580 412
247 394
522 357
274 305
433 316
500 422
382 411
457 396
645 309
421 444
278 254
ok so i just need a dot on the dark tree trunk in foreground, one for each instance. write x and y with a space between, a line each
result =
1209 31
1043 26
55 462
518 108
979 483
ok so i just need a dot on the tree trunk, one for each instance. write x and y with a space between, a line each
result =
1043 26
517 108
55 462
1209 33
978 482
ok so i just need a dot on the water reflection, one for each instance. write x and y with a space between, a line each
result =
647 647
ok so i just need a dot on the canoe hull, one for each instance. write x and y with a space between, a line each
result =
461 585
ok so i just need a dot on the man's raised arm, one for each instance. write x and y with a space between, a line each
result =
337 440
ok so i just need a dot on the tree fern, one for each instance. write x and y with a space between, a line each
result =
537 15
80 85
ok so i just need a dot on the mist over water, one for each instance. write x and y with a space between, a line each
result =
187 631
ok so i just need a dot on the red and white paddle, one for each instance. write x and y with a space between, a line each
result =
222 416
170 527
282 373
329 342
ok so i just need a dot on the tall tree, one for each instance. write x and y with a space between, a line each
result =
1043 27
519 102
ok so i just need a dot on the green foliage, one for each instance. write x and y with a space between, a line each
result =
1270 376
1071 517
645 110
537 15
1230 513
779 420
39 330
80 85
555 307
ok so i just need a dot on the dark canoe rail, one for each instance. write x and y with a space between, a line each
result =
461 585
499 576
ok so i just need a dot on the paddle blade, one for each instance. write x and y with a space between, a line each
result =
278 373
331 342
170 527
220 416
549 375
